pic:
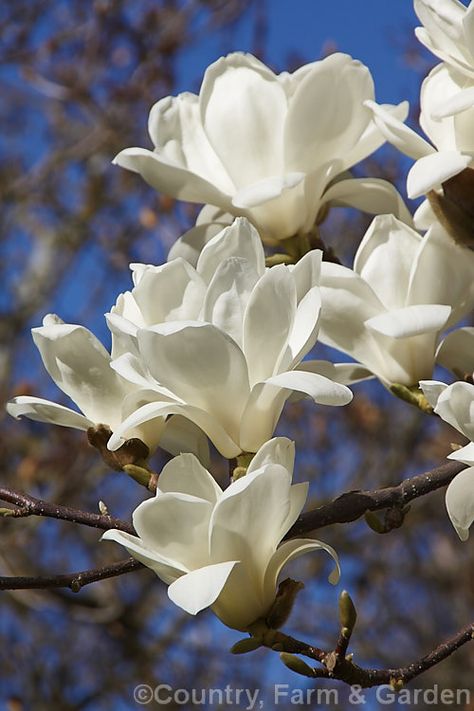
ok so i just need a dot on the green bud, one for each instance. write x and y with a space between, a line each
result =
248 644
374 522
347 612
296 664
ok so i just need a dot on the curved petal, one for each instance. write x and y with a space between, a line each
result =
456 351
456 406
465 454
228 295
305 328
175 524
240 239
200 588
190 245
214 430
202 365
398 134
180 435
430 172
171 179
79 365
432 389
39 410
186 475
372 195
289 550
279 450
167 570
243 107
461 101
385 257
170 292
307 272
410 321
460 502
268 322
263 191
320 389
344 373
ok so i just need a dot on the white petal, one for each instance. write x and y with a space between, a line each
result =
460 502
200 588
461 101
410 321
456 352
176 525
35 408
181 435
307 272
430 172
214 430
268 322
465 454
304 333
344 373
228 295
171 179
202 365
240 239
371 195
243 107
167 570
456 406
79 364
265 190
399 135
385 259
279 450
432 389
320 389
289 550
186 474
190 245
171 292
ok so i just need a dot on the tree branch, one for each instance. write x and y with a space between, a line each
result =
74 581
354 504
31 506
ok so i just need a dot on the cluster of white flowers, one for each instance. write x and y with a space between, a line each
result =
211 344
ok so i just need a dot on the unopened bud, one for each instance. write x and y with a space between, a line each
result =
243 646
347 612
374 522
296 664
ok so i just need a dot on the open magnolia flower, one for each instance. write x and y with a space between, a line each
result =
80 366
222 343
273 148
455 404
404 289
220 549
447 117
448 32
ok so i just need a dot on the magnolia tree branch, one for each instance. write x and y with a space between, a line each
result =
73 581
354 504
344 669
30 506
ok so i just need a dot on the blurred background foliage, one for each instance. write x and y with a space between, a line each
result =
77 81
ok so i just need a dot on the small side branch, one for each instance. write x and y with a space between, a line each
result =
30 506
73 581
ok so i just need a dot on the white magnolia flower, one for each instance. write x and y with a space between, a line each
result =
222 343
455 404
220 549
447 118
273 148
404 289
448 32
80 366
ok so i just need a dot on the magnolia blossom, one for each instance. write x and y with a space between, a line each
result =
447 118
220 549
222 343
403 290
448 32
455 404
80 366
273 148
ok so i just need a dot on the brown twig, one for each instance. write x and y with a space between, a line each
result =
74 581
31 506
354 504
